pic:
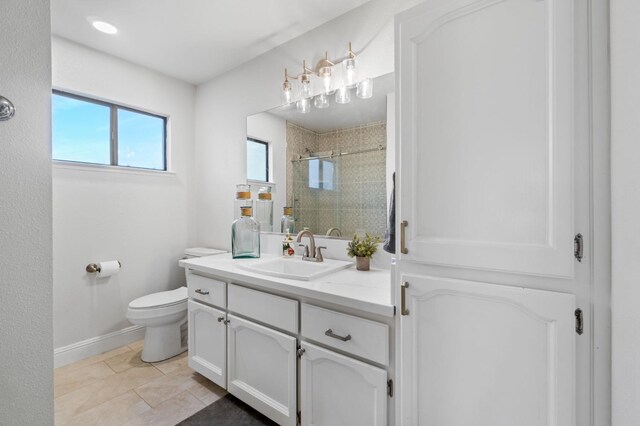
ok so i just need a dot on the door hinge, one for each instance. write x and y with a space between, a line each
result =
578 247
300 351
390 388
579 321
298 418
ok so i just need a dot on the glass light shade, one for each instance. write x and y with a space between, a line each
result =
286 95
343 96
306 88
303 106
349 66
326 83
321 101
365 89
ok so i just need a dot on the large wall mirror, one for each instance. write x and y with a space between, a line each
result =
339 161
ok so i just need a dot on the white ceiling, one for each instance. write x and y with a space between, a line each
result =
193 40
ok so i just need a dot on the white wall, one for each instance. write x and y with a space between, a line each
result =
625 210
141 218
223 104
273 129
26 348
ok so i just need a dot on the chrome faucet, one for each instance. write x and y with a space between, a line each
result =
311 248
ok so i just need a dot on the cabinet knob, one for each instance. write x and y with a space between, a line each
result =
220 319
301 352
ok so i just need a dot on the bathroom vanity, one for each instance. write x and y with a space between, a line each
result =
308 352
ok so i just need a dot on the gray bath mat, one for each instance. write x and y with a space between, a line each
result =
227 411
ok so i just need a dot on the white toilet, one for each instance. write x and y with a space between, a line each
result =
164 315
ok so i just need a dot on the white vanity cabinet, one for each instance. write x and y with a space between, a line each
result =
207 342
288 359
337 390
262 369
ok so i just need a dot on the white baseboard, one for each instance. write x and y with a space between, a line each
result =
96 345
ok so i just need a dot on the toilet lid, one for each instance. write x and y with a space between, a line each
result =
163 298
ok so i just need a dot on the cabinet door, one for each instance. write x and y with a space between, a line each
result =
486 134
337 390
486 355
207 342
262 369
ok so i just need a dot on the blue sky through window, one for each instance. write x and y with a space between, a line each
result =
140 140
80 131
257 161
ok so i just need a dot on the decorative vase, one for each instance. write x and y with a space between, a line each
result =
362 263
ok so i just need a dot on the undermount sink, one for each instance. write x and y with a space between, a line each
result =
296 269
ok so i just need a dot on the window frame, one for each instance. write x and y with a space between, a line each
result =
113 131
268 153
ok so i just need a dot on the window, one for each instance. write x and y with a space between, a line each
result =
257 160
321 174
91 131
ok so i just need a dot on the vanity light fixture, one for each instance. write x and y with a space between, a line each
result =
324 70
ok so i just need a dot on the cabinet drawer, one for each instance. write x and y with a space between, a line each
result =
358 336
207 290
277 311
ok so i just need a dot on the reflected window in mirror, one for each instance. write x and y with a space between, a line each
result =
257 160
321 174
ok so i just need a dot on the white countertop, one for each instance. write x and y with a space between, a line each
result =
368 291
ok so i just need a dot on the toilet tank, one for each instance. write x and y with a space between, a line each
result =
201 252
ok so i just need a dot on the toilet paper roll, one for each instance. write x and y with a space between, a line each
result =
109 268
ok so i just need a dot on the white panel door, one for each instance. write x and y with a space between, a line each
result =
207 342
336 390
486 355
262 369
486 134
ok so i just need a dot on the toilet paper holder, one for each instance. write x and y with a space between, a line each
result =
92 268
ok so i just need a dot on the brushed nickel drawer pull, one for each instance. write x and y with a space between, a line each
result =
201 291
403 245
330 333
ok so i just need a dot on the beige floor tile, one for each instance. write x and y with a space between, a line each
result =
172 364
90 396
93 359
138 344
170 385
117 411
207 391
170 412
125 361
68 380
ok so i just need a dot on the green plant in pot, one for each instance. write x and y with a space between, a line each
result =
363 249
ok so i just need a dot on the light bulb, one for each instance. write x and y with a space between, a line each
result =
306 88
326 83
349 65
303 106
365 89
343 96
321 101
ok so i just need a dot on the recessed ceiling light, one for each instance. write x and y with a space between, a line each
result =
104 27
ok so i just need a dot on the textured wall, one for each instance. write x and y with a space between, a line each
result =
625 205
26 349
357 201
144 219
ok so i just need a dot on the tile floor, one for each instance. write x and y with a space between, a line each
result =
117 388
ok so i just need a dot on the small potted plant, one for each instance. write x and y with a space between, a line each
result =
363 249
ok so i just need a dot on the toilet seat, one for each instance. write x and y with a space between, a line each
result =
161 299
158 305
